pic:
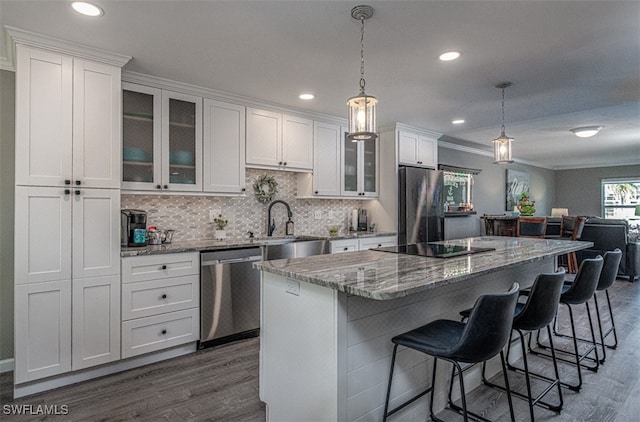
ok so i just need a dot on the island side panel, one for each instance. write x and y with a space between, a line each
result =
371 324
302 372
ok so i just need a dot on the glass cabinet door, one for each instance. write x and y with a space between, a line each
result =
140 136
350 167
369 161
182 141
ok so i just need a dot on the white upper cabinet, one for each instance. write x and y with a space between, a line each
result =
224 147
326 173
359 168
141 137
162 140
278 141
68 124
417 149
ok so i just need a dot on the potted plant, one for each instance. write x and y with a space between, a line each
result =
220 223
526 206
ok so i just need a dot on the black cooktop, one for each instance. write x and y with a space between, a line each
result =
434 250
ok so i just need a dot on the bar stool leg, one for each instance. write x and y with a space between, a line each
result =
613 325
386 402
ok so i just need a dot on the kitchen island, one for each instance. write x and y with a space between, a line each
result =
327 322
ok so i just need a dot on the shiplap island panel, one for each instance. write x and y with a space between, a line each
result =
327 323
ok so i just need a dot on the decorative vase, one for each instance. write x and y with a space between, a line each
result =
220 234
527 210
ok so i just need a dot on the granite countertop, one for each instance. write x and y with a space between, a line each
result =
383 275
231 243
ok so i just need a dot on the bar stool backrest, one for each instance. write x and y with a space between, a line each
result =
609 269
572 227
542 303
584 285
532 226
488 327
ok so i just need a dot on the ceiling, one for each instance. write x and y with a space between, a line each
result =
572 63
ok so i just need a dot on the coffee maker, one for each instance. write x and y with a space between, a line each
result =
133 228
362 220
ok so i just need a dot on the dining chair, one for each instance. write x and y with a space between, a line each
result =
531 227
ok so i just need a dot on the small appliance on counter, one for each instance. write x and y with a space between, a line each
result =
133 228
362 220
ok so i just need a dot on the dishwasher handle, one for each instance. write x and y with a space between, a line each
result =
231 260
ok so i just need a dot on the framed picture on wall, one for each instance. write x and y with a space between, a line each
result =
517 184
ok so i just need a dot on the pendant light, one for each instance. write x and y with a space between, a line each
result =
362 108
502 144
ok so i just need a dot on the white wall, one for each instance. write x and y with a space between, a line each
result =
7 142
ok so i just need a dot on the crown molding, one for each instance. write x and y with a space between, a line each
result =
477 151
32 39
7 61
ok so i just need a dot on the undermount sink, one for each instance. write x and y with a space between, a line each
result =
294 247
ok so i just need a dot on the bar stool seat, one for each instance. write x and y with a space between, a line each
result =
481 338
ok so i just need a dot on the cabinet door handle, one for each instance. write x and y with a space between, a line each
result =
165 187
67 191
243 189
164 296
77 192
285 163
346 248
78 183
158 187
163 332
379 245
279 163
67 182
164 267
316 192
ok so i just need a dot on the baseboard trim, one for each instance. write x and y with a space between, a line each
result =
39 386
6 365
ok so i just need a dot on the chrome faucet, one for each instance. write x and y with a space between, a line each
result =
271 223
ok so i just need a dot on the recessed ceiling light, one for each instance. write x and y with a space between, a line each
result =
88 9
307 96
450 55
586 131
457 121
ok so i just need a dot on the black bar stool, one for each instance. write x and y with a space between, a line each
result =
577 293
478 340
607 278
535 314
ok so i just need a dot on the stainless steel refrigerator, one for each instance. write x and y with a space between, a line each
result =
420 205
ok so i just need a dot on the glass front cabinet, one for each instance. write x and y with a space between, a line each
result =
161 139
359 168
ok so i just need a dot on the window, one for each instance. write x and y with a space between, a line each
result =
621 198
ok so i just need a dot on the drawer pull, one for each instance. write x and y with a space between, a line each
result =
346 249
164 267
163 332
164 296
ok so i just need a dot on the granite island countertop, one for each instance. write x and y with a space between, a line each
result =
231 243
382 275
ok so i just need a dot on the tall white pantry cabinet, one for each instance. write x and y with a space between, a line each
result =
67 199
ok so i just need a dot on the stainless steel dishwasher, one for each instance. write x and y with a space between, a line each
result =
229 295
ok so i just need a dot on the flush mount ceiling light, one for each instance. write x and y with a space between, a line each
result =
88 9
586 131
502 144
457 121
362 108
449 55
306 96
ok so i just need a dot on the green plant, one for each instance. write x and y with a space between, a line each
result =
526 205
220 222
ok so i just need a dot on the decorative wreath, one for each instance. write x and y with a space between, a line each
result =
265 188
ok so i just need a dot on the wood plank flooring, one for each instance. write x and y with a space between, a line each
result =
221 384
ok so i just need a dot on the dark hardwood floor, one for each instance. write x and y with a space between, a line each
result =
221 384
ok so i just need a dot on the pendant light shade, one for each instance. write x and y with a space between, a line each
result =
502 144
362 107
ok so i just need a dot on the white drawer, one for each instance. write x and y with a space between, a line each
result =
376 242
153 267
344 245
147 298
144 335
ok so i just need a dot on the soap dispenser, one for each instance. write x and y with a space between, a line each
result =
289 227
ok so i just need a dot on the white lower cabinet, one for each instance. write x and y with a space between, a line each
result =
160 302
349 245
96 321
43 330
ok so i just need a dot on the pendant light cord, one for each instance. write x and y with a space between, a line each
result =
362 82
502 128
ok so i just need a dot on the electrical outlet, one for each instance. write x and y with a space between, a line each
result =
330 215
317 215
293 287
213 213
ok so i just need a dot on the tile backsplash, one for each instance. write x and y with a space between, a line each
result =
189 215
